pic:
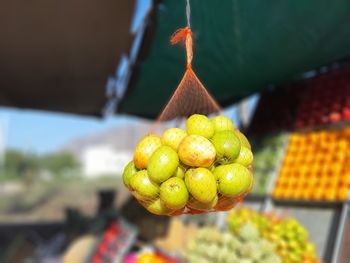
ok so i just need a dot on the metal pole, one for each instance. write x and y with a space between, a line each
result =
340 232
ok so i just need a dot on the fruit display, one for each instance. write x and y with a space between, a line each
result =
277 109
205 168
267 152
287 236
316 166
211 245
114 243
327 100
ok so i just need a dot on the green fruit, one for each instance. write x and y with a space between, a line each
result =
173 137
222 123
142 187
201 184
173 193
129 171
162 164
249 231
196 151
194 204
157 207
227 146
145 149
226 203
233 179
200 125
179 172
245 157
243 139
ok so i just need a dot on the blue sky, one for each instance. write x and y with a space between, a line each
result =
43 132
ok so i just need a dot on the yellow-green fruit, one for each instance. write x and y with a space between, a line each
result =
157 207
222 123
243 139
201 184
225 203
145 149
179 172
172 137
129 171
227 146
194 204
162 164
142 187
233 179
196 151
200 125
173 193
245 157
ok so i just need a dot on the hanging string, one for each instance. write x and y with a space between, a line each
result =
188 13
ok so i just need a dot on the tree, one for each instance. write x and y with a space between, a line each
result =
59 163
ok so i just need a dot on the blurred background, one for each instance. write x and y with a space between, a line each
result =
82 82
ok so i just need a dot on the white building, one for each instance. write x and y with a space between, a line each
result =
99 160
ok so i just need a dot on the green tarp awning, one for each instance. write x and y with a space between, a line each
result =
240 47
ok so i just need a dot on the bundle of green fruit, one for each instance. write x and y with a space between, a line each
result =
267 152
211 245
205 168
289 237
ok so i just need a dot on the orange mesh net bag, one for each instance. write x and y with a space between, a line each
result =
205 167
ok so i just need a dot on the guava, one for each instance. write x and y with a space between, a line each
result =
179 172
233 179
227 146
194 204
173 193
201 184
129 171
243 139
157 207
172 137
145 149
222 123
245 157
162 164
200 125
142 187
196 151
225 203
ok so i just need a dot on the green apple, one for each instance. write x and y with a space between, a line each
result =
194 204
142 187
129 171
225 203
145 149
173 137
243 139
233 179
245 157
173 193
227 146
157 207
196 151
162 164
200 125
201 184
222 123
